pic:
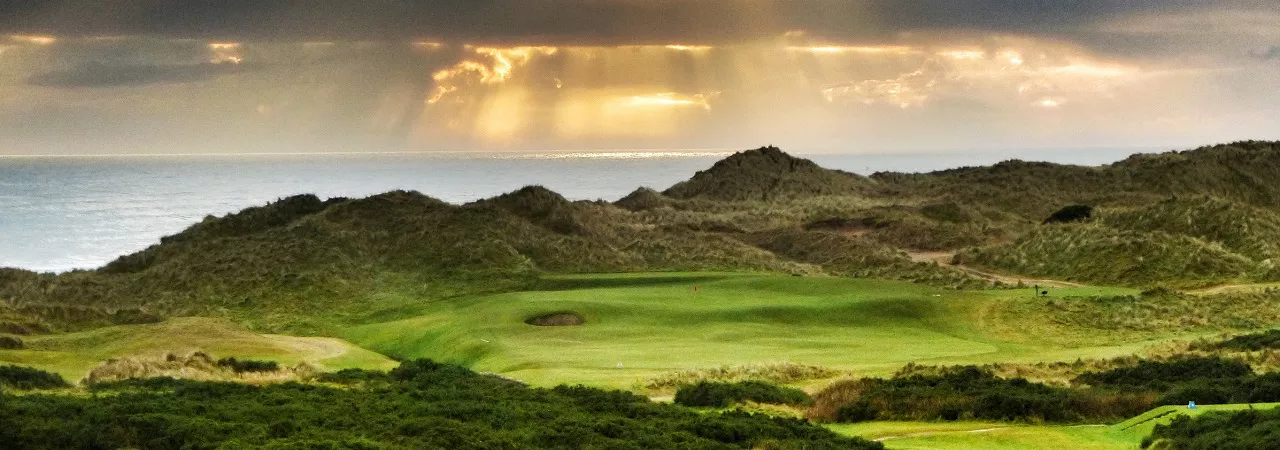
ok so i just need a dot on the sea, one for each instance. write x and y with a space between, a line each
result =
60 213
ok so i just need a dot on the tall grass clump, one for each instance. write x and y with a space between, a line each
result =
777 373
1102 255
27 378
721 395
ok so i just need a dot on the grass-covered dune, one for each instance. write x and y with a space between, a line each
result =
1099 254
303 264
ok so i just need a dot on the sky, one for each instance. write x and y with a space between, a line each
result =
262 76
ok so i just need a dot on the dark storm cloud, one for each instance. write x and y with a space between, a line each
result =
110 75
570 21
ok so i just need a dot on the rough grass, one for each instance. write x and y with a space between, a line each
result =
1244 229
74 355
777 373
767 174
1095 319
196 366
1101 255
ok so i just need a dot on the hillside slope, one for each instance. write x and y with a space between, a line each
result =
767 173
303 264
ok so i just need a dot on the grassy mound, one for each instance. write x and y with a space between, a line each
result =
642 199
1240 171
1100 318
766 174
27 378
1103 255
197 366
75 355
1245 229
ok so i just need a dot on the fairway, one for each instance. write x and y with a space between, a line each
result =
640 325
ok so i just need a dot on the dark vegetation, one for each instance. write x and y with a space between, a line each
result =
1248 429
968 392
11 343
1269 339
248 365
1071 213
418 405
561 319
721 394
1161 375
26 378
1205 380
766 174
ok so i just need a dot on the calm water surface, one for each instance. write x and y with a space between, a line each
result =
61 213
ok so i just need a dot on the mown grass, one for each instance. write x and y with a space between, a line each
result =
636 330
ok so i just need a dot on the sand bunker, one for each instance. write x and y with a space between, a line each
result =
562 319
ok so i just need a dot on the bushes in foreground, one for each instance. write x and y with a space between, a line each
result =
1248 429
720 395
1246 342
248 365
1205 380
968 392
26 378
421 404
778 373
11 343
1162 375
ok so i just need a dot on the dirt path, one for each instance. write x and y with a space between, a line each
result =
1238 287
944 260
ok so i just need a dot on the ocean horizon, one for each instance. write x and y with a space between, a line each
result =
66 212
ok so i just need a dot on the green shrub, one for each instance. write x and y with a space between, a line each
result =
27 378
1247 342
248 365
10 343
1160 375
970 392
720 395
1071 213
422 404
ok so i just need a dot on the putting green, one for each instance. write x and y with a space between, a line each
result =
639 325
